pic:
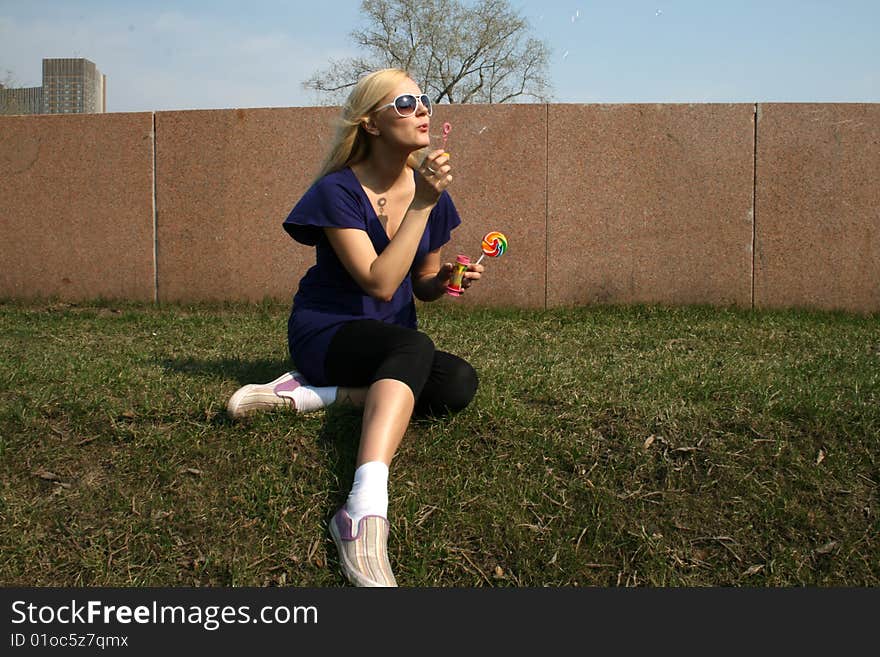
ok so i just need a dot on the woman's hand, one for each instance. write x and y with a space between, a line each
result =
473 273
430 277
434 176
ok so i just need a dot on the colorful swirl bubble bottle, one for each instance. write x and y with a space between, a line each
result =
455 284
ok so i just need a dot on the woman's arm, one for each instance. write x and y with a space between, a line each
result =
430 278
381 275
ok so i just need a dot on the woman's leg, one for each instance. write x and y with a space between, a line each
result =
389 366
450 387
394 364
356 397
387 411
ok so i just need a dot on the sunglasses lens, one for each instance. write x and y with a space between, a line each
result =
405 104
426 102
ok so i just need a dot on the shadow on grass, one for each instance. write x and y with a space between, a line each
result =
338 440
339 433
243 371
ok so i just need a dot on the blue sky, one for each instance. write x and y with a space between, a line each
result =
162 55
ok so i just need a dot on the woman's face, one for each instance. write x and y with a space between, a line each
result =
411 132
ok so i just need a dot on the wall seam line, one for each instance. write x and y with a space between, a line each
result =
754 197
546 206
155 222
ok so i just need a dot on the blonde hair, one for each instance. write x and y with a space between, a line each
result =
351 144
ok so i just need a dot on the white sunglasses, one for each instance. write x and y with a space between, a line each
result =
407 104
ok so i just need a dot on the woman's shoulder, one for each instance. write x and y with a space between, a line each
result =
331 202
330 188
343 179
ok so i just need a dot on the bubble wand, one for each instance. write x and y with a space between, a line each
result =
445 130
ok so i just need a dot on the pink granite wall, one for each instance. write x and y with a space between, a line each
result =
76 206
226 179
500 184
650 204
601 203
818 206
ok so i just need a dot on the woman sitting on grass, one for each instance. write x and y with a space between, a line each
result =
378 217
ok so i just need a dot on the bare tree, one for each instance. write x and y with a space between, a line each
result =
457 53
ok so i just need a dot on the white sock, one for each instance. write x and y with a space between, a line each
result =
369 492
312 398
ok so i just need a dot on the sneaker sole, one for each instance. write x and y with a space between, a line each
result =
250 398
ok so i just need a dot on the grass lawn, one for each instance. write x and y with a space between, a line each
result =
607 446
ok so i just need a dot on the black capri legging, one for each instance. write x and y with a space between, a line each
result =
365 351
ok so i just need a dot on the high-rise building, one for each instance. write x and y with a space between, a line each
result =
70 86
73 86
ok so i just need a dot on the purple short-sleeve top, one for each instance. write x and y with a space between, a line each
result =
328 296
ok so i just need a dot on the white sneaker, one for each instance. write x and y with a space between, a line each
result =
255 397
363 557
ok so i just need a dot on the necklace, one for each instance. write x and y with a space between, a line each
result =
381 203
